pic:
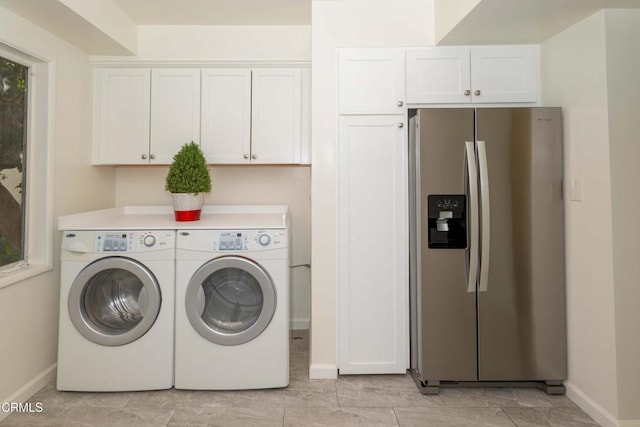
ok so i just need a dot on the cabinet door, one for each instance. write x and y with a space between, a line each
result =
226 115
121 111
438 75
372 249
276 115
371 81
505 74
175 112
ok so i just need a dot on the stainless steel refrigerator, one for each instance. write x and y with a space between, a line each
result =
487 248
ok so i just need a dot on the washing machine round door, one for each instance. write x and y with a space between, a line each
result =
114 301
230 300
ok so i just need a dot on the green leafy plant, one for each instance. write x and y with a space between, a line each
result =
188 173
8 253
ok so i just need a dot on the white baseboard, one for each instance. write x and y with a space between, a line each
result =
299 324
322 371
594 410
25 392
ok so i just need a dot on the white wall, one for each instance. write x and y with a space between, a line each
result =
623 84
226 43
29 309
290 185
590 70
335 24
449 13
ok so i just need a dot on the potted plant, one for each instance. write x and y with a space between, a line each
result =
187 181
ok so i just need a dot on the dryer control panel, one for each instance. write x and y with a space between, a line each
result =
248 240
229 241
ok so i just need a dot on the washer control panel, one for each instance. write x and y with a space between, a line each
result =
133 241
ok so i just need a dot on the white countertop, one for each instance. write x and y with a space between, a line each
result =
162 218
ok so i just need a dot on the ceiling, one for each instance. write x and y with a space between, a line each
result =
520 21
109 27
217 12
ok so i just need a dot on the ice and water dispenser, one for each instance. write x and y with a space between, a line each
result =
447 221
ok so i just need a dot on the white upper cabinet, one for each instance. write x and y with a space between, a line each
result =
175 112
440 75
505 74
276 105
371 81
238 116
226 115
144 116
253 116
121 112
483 74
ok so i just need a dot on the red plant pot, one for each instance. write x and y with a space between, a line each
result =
188 215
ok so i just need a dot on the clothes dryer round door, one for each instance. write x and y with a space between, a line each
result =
230 300
114 301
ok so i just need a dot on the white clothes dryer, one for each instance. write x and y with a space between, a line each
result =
116 310
232 309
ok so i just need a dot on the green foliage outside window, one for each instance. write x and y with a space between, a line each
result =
13 107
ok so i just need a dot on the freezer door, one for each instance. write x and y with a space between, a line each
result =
447 310
521 303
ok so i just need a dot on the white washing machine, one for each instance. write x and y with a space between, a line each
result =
116 310
232 309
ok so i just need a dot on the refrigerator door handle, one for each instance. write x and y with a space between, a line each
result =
472 181
485 216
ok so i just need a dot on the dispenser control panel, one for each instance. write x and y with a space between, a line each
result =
447 221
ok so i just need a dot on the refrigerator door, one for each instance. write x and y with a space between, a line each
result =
521 304
447 310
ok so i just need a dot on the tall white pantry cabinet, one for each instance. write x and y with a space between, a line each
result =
373 329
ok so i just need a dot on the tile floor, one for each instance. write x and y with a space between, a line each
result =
371 400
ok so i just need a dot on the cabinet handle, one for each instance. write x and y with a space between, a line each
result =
400 124
400 103
477 92
144 157
152 157
467 92
254 156
246 156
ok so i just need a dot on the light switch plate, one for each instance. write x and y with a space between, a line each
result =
575 190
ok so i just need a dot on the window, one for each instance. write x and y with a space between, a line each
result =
26 154
13 127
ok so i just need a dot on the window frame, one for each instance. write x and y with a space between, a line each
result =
38 183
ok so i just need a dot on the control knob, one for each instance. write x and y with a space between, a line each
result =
149 240
264 239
